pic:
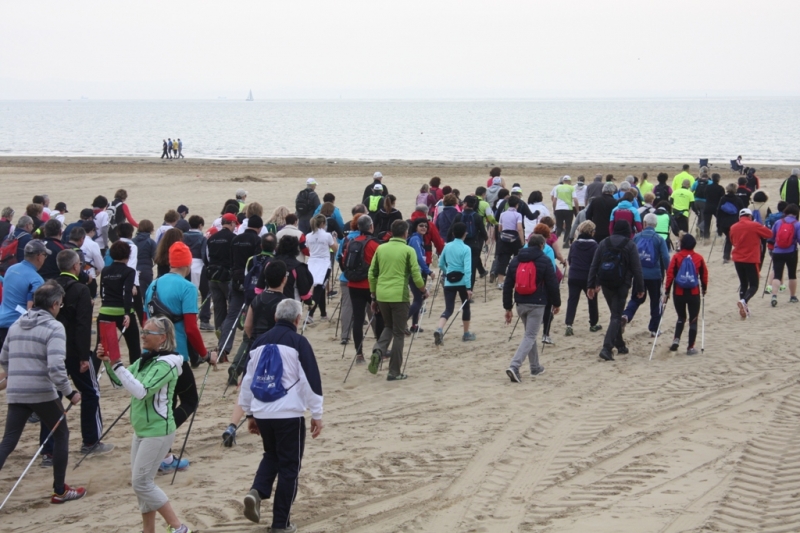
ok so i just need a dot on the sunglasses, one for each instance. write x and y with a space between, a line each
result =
151 332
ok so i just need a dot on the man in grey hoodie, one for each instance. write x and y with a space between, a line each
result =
33 359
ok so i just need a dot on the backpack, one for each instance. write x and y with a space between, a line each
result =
729 208
661 192
772 219
253 273
469 221
114 215
687 274
155 307
612 266
302 203
525 283
757 216
266 386
355 266
700 190
647 253
785 236
8 251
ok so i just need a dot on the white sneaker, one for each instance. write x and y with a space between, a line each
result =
547 340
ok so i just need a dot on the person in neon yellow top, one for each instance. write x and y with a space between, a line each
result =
563 203
682 200
677 181
645 186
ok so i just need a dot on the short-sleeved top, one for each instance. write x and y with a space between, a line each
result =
681 199
19 284
319 244
563 195
509 219
580 195
180 297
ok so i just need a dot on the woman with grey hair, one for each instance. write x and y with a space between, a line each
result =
151 382
6 223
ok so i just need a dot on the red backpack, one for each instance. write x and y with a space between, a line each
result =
526 278
8 252
785 236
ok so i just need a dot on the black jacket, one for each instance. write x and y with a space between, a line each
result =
116 286
714 193
368 191
76 316
581 255
633 267
243 247
546 281
219 248
725 220
50 269
298 275
263 308
599 212
480 230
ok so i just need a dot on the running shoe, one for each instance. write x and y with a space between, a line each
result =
182 529
205 326
547 340
742 308
513 375
169 467
691 350
437 336
229 436
793 300
69 494
596 327
774 301
569 332
782 288
468 336
675 344
768 289
100 448
374 362
252 506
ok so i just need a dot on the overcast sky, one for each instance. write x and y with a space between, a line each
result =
398 49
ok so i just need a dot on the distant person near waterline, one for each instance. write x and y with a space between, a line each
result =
165 150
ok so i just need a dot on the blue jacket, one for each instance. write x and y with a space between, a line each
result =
20 282
416 242
456 257
660 246
350 236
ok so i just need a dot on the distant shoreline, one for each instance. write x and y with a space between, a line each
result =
330 162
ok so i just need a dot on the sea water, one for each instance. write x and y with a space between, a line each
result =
613 130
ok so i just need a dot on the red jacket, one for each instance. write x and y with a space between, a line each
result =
746 236
675 265
432 238
369 251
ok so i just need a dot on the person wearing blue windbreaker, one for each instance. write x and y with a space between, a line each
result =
417 241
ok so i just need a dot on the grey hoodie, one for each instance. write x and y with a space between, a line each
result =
491 194
33 358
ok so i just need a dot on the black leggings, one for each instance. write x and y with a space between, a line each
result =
416 305
360 298
318 297
48 413
186 392
131 334
450 302
563 222
684 302
748 280
785 260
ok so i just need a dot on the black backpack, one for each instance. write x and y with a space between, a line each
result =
302 204
355 266
661 192
700 190
612 266
469 221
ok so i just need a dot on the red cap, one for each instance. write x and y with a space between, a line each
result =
179 255
230 217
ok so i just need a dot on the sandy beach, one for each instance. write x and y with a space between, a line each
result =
676 444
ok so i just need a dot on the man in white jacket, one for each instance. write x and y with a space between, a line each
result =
279 418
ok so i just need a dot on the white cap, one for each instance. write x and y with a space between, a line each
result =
241 193
311 181
516 189
745 212
377 175
496 180
566 178
796 172
377 187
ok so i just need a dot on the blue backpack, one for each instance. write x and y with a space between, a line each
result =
469 221
647 253
729 208
687 274
772 219
757 216
266 385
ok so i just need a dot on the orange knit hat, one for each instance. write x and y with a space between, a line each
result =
179 255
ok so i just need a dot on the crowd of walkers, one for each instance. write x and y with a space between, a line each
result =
274 275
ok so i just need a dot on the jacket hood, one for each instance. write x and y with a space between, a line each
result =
621 227
530 254
625 204
173 359
494 188
35 317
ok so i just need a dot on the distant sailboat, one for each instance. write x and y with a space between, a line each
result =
250 96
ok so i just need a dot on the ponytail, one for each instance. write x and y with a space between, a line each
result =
318 222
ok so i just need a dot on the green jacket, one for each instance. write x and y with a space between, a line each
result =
152 389
393 263
483 205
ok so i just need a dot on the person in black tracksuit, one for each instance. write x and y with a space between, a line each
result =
617 296
299 282
116 293
197 244
714 193
475 242
726 220
243 247
219 268
581 255
81 363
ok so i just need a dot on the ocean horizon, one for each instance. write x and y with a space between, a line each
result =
603 130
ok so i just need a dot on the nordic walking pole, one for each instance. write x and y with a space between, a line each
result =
769 269
357 349
658 331
238 364
513 329
552 317
713 242
39 451
303 330
102 436
436 290
414 336
703 323
454 318
338 318
347 340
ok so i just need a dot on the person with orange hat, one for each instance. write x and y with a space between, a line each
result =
173 296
